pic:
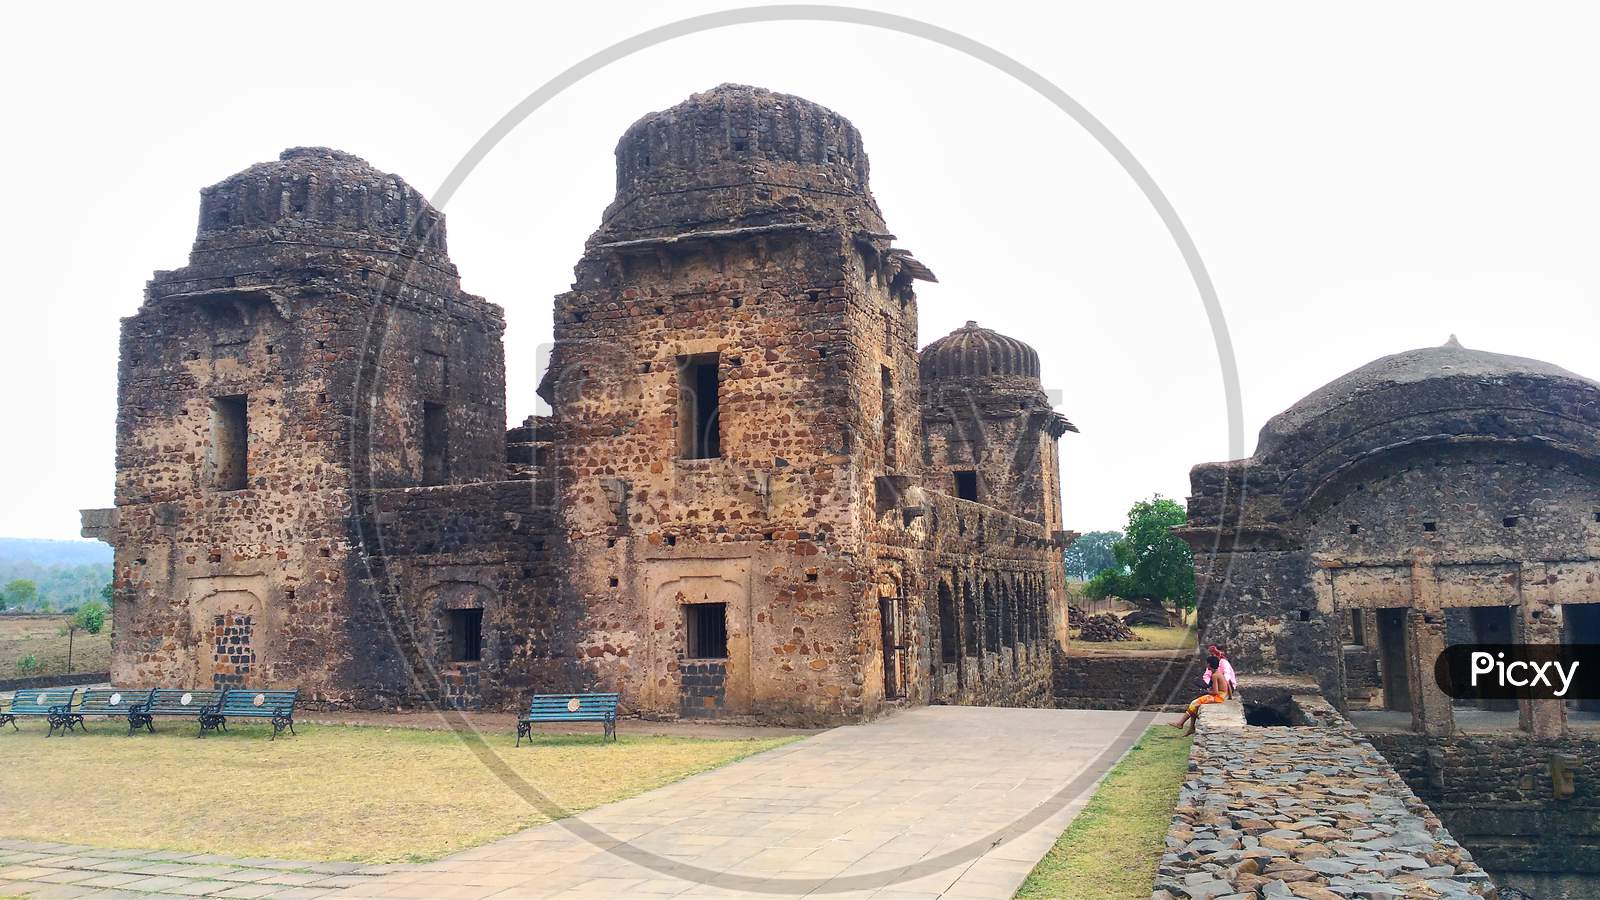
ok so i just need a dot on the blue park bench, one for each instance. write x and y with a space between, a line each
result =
277 707
54 705
118 702
175 703
600 708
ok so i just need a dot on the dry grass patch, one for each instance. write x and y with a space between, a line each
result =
1112 848
330 793
1159 638
45 638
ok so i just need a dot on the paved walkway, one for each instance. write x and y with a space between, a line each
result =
956 802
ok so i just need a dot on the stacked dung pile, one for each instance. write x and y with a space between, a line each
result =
1106 627
1075 615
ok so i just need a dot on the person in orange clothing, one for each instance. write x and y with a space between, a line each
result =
1218 693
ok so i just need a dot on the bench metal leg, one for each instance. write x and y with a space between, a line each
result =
611 729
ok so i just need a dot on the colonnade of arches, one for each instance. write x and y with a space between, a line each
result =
982 612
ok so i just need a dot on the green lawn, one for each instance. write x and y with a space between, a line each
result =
1111 849
330 793
44 637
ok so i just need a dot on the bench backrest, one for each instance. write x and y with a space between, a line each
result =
247 702
110 701
573 707
179 701
37 701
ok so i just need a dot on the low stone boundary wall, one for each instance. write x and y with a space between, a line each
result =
46 681
1310 811
1132 681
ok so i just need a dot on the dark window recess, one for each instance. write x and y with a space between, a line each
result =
949 645
435 444
466 635
1430 526
1305 615
967 485
230 443
887 377
1510 521
706 625
1354 528
699 432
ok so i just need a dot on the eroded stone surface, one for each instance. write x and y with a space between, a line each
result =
1311 811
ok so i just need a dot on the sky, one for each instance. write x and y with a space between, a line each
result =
1359 180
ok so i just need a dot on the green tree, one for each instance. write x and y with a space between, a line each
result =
106 592
1090 554
1156 566
91 616
21 593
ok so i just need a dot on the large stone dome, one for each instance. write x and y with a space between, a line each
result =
324 190
973 351
737 156
1394 386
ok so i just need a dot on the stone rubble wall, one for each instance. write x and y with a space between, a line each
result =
1309 811
1134 681
1537 826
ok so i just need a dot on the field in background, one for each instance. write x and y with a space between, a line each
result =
330 793
1112 848
45 638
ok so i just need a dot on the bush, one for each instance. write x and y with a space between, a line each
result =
91 616
27 665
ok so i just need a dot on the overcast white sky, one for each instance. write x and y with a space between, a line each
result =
1359 182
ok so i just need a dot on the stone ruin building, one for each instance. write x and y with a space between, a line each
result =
1434 497
754 497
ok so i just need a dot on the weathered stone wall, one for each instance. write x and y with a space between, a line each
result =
1308 811
1150 680
1509 798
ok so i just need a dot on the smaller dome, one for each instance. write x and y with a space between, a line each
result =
318 188
973 351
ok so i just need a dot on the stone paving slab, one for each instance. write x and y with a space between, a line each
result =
955 802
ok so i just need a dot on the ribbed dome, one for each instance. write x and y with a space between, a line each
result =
737 156
322 189
972 351
1412 368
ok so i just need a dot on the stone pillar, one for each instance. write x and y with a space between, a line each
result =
1430 706
1540 623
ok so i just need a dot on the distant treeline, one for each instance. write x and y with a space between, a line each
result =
64 573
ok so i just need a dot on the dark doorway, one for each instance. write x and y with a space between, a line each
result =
889 618
1392 659
967 485
1580 623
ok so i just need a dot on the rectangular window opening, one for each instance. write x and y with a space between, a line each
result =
435 444
230 443
706 627
1430 526
466 635
967 485
1510 521
699 431
887 377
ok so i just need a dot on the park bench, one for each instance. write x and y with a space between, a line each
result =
54 705
276 707
600 708
117 702
172 703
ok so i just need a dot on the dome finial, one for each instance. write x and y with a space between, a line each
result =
971 323
1453 343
